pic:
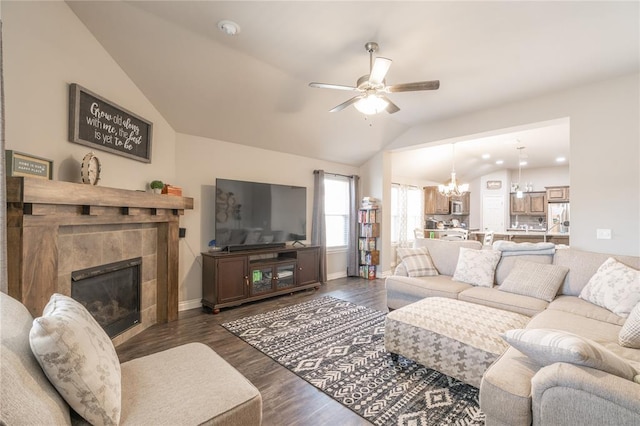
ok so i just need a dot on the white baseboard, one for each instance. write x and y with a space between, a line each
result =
336 275
189 304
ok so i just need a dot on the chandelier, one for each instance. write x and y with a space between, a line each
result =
452 188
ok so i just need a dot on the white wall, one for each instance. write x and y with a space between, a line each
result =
199 161
604 175
542 177
45 48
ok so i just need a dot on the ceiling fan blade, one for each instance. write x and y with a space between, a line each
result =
332 86
379 70
411 87
346 104
391 108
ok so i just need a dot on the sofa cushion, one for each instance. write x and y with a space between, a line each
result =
417 262
402 291
79 359
535 280
506 264
444 254
629 336
525 305
583 265
476 267
548 346
614 286
27 397
577 306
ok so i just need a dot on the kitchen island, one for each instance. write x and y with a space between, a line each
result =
522 236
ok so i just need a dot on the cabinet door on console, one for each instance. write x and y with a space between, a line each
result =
232 278
308 267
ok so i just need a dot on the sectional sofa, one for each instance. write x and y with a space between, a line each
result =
525 385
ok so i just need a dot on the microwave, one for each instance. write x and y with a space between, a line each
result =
456 207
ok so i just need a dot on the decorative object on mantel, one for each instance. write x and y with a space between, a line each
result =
101 124
494 184
91 168
156 186
452 188
19 164
171 190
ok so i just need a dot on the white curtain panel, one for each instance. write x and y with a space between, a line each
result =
352 243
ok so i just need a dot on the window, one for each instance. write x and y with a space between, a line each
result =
336 210
406 212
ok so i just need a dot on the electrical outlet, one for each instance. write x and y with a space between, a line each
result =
603 234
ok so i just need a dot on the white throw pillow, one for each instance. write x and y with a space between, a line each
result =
534 279
615 286
629 335
79 359
546 346
476 267
417 262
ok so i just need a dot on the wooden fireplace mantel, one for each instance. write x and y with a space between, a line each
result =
38 208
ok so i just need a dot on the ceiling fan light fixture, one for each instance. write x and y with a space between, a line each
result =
371 104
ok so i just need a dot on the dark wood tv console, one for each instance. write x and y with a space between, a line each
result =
234 278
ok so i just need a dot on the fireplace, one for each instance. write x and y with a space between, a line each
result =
111 293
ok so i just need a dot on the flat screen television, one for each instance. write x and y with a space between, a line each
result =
254 215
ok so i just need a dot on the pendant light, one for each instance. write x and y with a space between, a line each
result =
452 188
519 193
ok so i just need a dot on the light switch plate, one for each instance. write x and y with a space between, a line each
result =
603 234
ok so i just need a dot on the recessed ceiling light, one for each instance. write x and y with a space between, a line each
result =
230 28
523 163
561 159
499 162
486 156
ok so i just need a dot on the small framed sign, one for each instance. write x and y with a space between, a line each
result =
494 184
19 164
101 124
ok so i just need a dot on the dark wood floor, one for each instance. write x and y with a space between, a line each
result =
287 399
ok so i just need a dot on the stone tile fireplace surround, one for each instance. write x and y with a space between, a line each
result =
55 228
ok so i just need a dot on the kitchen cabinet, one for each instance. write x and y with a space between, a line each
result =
557 194
434 202
531 204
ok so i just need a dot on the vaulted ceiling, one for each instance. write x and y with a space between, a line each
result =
252 88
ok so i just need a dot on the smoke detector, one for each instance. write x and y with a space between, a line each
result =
230 28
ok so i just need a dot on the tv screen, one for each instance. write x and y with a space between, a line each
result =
251 213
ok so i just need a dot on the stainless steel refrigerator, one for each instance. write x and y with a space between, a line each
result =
558 217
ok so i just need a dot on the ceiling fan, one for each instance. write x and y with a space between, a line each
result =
372 88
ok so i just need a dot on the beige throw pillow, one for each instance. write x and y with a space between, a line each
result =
476 267
547 346
79 359
629 335
534 279
417 262
615 286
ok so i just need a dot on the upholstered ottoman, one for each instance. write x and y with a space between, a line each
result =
457 338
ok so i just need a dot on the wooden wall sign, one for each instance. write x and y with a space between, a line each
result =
20 164
494 184
101 124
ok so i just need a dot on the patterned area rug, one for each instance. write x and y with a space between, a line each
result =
338 347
